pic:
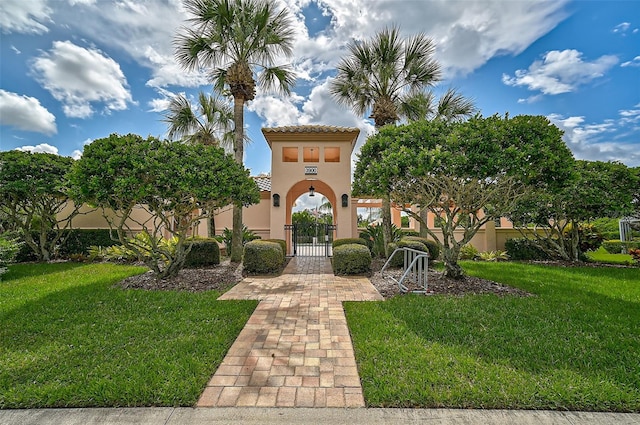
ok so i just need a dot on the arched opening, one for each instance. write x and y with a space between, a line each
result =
311 213
301 191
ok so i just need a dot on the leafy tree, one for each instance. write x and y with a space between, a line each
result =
210 123
34 198
387 77
553 217
159 188
238 41
465 173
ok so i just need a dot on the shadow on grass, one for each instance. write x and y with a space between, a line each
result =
569 348
94 345
21 270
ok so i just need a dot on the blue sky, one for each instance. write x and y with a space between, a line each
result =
73 71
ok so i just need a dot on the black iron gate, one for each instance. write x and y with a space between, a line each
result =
309 239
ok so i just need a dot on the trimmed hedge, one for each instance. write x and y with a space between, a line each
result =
347 241
616 246
263 257
76 241
434 249
351 259
204 252
524 249
281 242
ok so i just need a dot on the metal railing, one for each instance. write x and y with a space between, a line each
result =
415 270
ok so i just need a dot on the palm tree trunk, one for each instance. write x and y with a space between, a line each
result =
386 223
238 151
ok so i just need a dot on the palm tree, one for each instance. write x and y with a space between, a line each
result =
388 77
237 41
210 122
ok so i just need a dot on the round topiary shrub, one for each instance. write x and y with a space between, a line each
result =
204 252
281 242
398 259
351 259
434 249
347 241
263 257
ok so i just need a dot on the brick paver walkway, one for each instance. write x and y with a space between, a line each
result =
295 350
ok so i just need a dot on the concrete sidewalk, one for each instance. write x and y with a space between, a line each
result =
307 416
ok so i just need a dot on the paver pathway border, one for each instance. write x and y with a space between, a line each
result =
295 350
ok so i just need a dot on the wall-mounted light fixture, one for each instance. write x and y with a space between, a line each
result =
345 200
276 200
312 191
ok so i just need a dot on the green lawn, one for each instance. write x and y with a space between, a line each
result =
602 256
70 338
574 345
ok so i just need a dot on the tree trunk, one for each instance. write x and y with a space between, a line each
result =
238 151
423 225
386 223
451 267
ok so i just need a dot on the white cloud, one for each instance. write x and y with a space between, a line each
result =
634 62
41 148
622 27
277 111
25 113
76 154
597 141
467 33
560 72
24 16
78 77
161 104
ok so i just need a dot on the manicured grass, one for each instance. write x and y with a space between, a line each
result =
69 338
574 345
602 256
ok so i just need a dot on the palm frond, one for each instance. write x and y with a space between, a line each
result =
453 106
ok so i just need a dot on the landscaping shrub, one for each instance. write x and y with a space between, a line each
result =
75 242
78 241
469 252
398 259
617 247
8 250
347 241
351 259
281 242
263 257
225 238
588 235
607 227
434 249
373 235
524 249
410 233
204 252
635 254
494 256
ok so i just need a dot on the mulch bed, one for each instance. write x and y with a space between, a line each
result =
437 283
227 274
220 277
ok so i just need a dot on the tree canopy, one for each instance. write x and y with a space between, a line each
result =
551 216
466 173
177 184
34 198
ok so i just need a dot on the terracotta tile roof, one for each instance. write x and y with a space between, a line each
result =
310 129
264 183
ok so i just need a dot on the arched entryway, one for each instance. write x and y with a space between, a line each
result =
310 239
